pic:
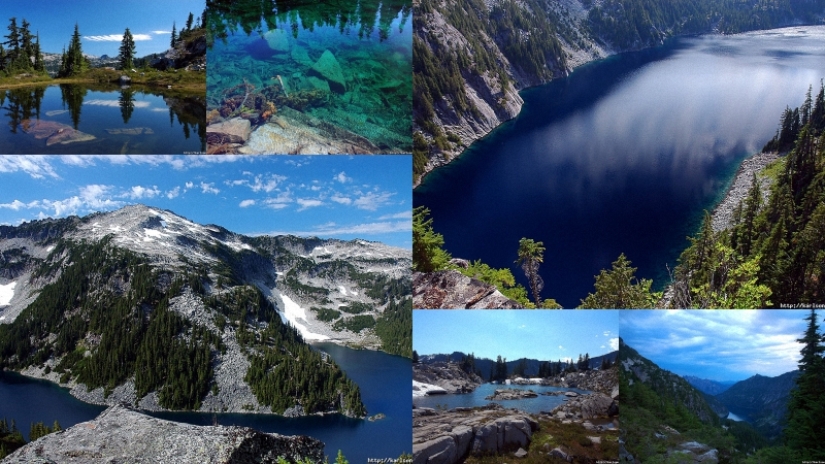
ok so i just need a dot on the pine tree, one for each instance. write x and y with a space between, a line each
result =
127 51
189 22
530 256
174 36
806 408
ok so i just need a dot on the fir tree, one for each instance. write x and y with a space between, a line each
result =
127 51
806 408
174 35
530 256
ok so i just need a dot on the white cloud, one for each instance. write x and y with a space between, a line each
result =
173 193
614 343
561 347
332 229
17 205
308 203
402 215
246 203
161 32
139 192
208 188
372 201
36 166
283 200
341 199
116 37
342 177
189 185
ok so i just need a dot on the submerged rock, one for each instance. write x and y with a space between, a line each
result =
120 434
235 130
277 40
54 132
328 67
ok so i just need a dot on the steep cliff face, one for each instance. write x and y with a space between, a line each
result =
448 376
471 57
120 434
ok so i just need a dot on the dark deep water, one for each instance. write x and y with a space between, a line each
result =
385 383
622 156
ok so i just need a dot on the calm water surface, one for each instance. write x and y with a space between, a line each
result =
100 119
476 398
385 388
622 156
347 63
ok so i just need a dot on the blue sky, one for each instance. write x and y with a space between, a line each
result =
718 345
101 22
514 334
346 197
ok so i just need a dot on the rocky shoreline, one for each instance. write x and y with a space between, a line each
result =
121 434
722 216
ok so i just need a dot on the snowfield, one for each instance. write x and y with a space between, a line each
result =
6 293
424 389
292 311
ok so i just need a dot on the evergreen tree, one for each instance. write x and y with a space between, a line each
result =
127 51
174 35
530 256
189 22
428 256
620 289
415 357
806 407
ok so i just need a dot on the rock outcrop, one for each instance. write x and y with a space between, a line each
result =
446 437
120 434
603 381
584 407
511 394
454 290
447 376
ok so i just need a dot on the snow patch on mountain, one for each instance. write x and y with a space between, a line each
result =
291 312
6 293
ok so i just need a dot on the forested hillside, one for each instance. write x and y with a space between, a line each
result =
774 255
470 57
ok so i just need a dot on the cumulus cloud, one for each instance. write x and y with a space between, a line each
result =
139 192
173 193
342 177
341 199
402 215
208 187
246 203
36 166
373 200
307 203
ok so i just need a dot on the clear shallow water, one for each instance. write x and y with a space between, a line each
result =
99 119
347 64
622 156
385 388
476 398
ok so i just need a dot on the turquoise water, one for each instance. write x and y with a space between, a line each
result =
100 119
313 77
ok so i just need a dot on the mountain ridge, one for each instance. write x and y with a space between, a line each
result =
143 285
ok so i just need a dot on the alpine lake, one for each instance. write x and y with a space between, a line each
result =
385 388
101 119
311 78
622 156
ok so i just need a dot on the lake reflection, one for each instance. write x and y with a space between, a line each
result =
622 156
100 119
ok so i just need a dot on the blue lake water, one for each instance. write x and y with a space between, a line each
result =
385 388
736 418
622 156
476 398
100 119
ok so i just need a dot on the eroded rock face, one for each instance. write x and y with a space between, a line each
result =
453 290
120 434
448 376
583 407
449 436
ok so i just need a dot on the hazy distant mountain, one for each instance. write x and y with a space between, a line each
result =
762 400
711 387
